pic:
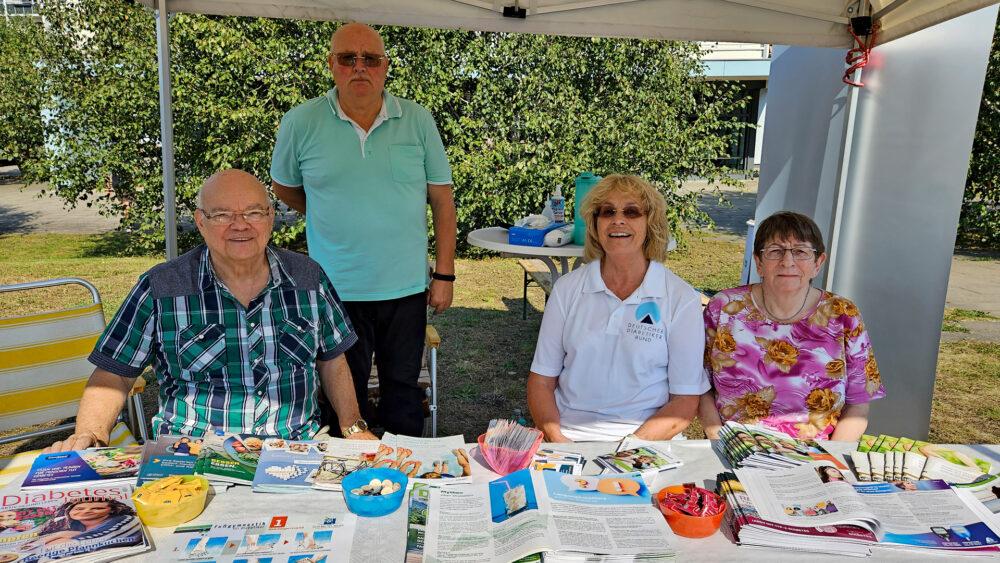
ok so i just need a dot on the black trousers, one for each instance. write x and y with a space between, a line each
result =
394 331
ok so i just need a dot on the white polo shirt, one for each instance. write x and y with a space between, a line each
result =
619 361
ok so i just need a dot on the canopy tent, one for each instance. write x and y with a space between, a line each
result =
818 23
815 23
880 168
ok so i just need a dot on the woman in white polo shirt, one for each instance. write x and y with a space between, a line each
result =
622 340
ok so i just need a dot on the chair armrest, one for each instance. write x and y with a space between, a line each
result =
138 387
431 337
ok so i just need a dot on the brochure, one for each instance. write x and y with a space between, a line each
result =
90 523
646 459
107 465
426 458
747 445
911 460
984 493
274 538
416 522
749 528
528 512
287 466
554 460
925 514
168 455
231 458
342 458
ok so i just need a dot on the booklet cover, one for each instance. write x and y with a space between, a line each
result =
95 523
425 458
169 455
80 466
287 466
229 457
546 459
342 458
924 515
645 459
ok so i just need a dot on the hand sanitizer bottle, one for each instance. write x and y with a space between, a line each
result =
558 204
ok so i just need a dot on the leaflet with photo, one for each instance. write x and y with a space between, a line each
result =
439 459
275 539
547 459
230 458
168 455
343 457
107 465
645 459
528 512
288 466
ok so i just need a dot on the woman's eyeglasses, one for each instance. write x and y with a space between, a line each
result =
629 212
350 59
799 253
229 217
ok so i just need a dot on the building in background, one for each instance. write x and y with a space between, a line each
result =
19 8
747 64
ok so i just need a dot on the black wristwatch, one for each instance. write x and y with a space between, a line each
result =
443 277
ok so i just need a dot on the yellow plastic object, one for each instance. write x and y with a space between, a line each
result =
171 501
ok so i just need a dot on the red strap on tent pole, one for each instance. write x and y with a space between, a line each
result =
857 58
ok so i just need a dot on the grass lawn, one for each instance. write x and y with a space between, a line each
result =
486 348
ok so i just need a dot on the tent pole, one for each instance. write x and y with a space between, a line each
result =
842 174
166 128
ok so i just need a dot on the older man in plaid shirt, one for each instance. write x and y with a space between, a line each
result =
242 336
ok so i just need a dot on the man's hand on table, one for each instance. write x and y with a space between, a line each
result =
366 435
76 441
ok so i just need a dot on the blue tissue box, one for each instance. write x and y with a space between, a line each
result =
524 236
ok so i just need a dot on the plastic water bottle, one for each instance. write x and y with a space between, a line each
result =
558 204
584 182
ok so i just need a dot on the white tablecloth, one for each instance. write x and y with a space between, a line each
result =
701 465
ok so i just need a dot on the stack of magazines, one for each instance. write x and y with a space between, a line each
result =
806 509
80 523
750 446
749 529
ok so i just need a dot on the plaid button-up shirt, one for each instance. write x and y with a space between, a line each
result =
224 366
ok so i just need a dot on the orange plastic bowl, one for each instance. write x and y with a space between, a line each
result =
686 525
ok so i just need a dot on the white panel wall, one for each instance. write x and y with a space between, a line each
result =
915 121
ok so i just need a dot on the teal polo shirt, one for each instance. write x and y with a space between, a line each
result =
366 193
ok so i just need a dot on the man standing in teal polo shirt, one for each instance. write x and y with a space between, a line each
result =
367 163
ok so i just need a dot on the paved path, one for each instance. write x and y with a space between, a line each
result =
22 211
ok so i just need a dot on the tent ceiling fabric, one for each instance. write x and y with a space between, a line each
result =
816 23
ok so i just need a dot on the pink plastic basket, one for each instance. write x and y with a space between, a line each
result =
505 461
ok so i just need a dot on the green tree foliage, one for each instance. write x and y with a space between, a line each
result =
519 113
21 136
979 224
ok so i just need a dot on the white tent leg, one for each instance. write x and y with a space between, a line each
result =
166 128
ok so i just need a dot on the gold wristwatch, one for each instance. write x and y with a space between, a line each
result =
357 427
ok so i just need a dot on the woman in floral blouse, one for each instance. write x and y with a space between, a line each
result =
784 354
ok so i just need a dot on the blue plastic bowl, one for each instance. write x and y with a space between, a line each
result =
378 505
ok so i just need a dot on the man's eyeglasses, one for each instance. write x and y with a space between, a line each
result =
253 216
799 253
629 212
350 59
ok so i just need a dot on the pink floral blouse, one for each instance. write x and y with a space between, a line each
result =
793 377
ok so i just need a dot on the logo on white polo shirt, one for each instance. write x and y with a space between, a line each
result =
648 313
646 327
